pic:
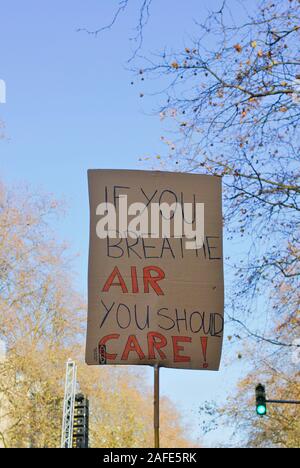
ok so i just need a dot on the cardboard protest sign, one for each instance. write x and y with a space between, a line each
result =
154 297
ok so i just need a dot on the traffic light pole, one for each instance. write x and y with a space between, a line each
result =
284 402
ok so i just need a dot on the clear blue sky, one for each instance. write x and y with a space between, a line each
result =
70 107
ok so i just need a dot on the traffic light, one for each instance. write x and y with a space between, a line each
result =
81 422
261 402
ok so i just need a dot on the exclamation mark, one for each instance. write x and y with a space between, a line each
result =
204 342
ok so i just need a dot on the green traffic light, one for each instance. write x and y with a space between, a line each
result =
261 406
261 410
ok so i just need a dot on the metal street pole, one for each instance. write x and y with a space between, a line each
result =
156 406
69 402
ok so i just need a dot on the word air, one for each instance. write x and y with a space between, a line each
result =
151 276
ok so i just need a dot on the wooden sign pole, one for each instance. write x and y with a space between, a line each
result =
156 406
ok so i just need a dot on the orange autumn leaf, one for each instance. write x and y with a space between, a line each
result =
238 48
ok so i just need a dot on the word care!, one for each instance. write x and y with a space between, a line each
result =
155 301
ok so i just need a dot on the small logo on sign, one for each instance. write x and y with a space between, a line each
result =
2 92
102 354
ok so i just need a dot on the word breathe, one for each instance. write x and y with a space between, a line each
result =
153 220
